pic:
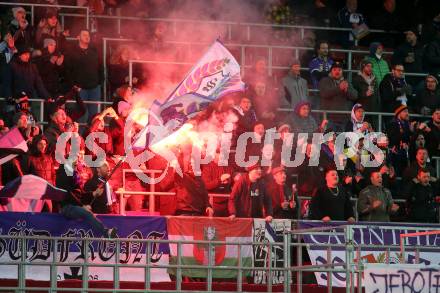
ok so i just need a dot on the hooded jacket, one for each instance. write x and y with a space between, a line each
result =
380 66
303 124
354 125
295 89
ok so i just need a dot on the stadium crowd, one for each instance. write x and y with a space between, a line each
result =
39 62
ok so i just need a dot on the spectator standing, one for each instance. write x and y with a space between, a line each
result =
20 29
394 90
332 202
191 194
365 84
428 99
118 68
246 115
218 179
25 76
433 135
284 197
295 87
380 66
248 196
386 19
55 128
83 69
320 66
39 162
431 55
50 28
422 199
350 17
303 122
50 65
410 55
336 93
400 132
421 162
375 202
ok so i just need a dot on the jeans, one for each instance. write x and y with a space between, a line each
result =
93 94
77 212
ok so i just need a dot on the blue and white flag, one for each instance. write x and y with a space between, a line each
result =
216 74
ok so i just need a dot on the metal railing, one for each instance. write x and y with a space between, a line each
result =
33 5
152 193
229 26
146 265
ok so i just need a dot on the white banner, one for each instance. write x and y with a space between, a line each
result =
381 278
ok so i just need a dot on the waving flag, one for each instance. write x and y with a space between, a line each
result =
12 144
216 74
27 193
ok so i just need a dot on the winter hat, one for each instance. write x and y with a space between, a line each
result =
373 48
123 105
336 64
23 49
364 63
49 41
300 104
400 109
16 10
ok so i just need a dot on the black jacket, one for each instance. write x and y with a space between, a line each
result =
338 208
49 72
421 204
191 195
390 89
99 204
26 78
431 59
83 67
75 195
403 51
398 131
248 199
433 140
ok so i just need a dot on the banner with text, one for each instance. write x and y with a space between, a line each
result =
382 278
74 252
374 234
269 233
